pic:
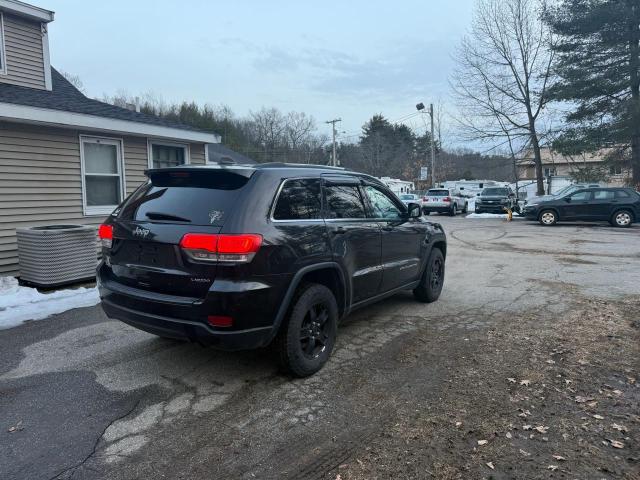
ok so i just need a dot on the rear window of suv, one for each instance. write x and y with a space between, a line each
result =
197 198
438 193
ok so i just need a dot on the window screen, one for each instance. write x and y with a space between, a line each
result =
102 176
344 201
167 155
299 200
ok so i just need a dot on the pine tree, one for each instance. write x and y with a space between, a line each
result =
599 74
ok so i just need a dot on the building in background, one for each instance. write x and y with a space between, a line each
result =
555 164
66 158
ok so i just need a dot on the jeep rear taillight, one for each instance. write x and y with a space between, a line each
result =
446 199
105 232
239 248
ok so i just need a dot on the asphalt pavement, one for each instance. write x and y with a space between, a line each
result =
83 396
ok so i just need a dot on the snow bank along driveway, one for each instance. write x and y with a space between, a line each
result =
19 304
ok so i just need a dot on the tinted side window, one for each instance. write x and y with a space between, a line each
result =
622 194
580 196
344 201
299 200
603 195
382 205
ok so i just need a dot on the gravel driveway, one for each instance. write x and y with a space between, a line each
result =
527 367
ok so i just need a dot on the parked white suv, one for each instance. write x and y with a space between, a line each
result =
443 200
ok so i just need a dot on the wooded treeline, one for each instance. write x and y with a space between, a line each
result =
269 135
530 74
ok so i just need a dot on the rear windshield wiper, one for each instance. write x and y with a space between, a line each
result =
166 216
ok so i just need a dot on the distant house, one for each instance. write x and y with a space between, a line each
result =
65 158
555 164
218 153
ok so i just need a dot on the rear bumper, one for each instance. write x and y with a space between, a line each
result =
189 330
437 208
253 306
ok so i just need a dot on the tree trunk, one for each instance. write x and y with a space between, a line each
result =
634 65
537 158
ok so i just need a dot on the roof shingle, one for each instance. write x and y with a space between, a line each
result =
64 96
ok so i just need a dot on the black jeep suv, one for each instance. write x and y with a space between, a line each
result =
238 257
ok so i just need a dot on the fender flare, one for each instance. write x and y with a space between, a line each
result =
626 209
295 283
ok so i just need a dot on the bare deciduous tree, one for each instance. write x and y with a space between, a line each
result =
298 129
268 127
503 74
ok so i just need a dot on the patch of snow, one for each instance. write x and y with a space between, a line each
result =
19 304
491 215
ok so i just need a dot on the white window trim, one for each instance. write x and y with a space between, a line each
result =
102 210
3 50
163 143
44 28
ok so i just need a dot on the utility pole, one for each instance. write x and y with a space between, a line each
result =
334 159
433 148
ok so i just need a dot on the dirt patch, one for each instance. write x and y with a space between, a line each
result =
535 396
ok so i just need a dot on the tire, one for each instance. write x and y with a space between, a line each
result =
454 210
425 212
306 339
548 218
430 286
466 207
622 219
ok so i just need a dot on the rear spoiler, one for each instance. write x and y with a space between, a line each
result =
242 170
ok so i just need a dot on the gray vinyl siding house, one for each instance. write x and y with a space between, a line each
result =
66 158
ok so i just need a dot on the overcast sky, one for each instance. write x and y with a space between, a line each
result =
329 58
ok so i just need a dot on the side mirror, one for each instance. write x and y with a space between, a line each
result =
567 199
414 210
477 194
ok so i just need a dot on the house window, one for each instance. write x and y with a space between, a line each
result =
102 179
3 56
615 170
164 155
549 171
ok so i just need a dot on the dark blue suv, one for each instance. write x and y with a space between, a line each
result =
240 257
618 206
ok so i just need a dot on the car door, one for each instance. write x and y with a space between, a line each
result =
355 239
401 238
576 206
601 204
